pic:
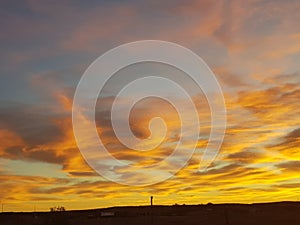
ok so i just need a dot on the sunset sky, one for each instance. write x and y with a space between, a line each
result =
253 47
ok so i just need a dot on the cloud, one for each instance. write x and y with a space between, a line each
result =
273 105
229 79
34 125
247 156
293 166
289 144
290 78
244 161
291 139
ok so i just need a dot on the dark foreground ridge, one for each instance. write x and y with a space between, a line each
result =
281 213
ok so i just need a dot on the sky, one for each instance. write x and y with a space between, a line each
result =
253 47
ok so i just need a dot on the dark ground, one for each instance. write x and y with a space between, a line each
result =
283 213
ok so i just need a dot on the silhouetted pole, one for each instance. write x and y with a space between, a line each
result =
151 210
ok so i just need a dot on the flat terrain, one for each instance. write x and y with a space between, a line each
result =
282 213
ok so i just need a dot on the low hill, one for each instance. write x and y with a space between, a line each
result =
281 213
